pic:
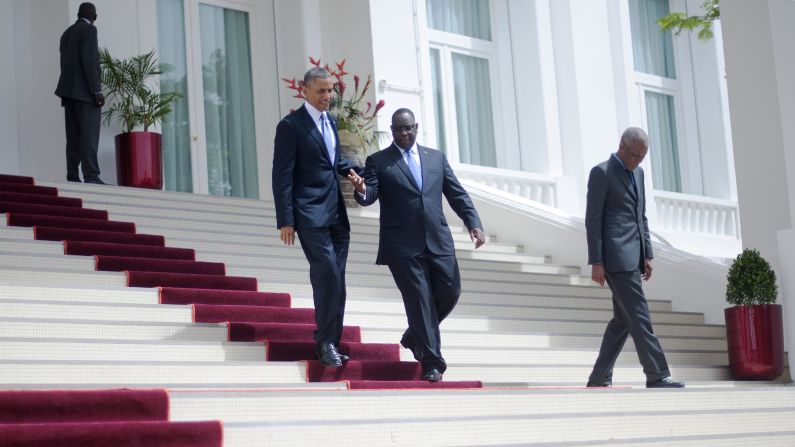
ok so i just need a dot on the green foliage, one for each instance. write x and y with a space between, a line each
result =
678 21
131 102
751 280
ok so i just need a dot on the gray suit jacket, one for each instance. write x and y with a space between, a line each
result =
80 72
615 218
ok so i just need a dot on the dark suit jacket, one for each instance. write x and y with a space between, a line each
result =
306 187
80 72
413 220
615 218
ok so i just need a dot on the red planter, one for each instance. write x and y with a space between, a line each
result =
755 339
139 160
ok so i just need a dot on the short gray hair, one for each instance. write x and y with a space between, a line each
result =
315 73
635 135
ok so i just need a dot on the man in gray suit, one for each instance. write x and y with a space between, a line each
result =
620 252
81 95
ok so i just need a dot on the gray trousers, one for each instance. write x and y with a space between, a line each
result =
630 317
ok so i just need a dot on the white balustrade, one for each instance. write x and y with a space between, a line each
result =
696 214
537 187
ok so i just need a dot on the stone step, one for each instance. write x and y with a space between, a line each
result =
559 429
367 406
148 374
98 349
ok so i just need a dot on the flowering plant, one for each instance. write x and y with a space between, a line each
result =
352 114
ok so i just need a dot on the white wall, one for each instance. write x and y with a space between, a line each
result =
9 153
760 67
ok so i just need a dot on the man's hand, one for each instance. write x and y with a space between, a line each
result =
476 235
287 234
99 100
647 268
598 274
357 182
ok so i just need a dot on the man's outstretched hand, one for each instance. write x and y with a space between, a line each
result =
476 234
357 182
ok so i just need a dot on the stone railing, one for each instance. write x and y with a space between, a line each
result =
696 214
536 187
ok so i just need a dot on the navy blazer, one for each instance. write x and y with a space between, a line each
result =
306 187
615 218
80 72
413 220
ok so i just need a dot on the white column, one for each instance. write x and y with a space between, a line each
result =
760 67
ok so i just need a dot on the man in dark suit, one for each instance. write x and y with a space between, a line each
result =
620 252
81 95
415 241
308 197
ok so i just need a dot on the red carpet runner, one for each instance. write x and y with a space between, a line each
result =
119 418
251 315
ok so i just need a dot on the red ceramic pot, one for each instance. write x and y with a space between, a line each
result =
139 160
755 339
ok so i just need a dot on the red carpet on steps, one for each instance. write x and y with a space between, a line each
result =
52 210
66 234
115 434
98 418
28 407
86 248
292 351
243 331
189 280
38 199
175 295
121 263
35 220
251 315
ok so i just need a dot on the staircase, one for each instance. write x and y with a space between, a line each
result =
525 329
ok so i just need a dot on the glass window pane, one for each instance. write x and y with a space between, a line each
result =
438 99
467 17
228 102
652 48
474 110
176 125
663 145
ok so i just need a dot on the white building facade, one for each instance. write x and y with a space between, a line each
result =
522 95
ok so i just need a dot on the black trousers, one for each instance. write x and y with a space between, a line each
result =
630 317
326 249
82 138
430 286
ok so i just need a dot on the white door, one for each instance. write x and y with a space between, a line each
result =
210 140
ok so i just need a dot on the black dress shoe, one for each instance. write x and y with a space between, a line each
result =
665 382
95 180
592 384
432 375
73 179
328 355
408 343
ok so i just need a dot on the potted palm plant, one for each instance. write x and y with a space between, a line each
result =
754 327
132 105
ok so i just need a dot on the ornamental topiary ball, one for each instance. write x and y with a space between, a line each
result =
751 280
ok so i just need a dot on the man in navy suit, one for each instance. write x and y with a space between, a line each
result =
415 241
308 197
620 252
81 95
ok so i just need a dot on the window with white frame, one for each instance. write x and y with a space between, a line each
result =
462 64
660 92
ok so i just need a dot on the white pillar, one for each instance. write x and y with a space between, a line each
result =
760 66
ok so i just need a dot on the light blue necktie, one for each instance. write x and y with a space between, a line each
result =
415 170
328 136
